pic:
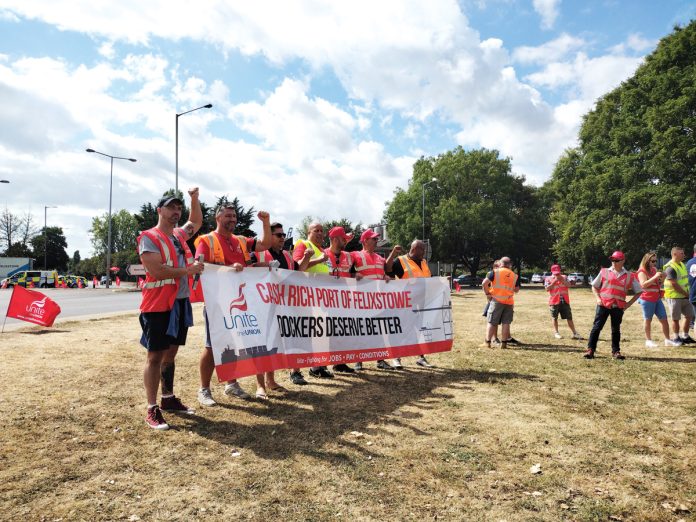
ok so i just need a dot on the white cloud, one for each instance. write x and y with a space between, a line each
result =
548 10
552 51
634 42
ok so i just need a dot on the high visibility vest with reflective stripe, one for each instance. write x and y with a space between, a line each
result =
653 292
614 288
159 295
556 290
503 285
413 269
215 247
682 279
319 268
340 268
266 257
368 265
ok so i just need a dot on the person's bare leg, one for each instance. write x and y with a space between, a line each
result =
571 325
665 328
151 376
167 370
270 380
206 367
686 325
647 326
555 324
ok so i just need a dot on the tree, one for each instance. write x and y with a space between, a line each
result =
19 250
356 230
629 183
124 232
245 217
55 254
147 217
16 231
74 262
477 210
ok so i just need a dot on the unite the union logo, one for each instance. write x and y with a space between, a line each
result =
239 302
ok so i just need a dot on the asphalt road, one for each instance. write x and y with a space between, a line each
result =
79 303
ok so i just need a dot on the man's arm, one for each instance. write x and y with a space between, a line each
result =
486 285
158 270
304 263
195 219
266 237
396 252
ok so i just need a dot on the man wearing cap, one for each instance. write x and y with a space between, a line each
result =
559 300
370 265
284 260
500 286
677 295
222 247
165 309
340 264
408 266
610 288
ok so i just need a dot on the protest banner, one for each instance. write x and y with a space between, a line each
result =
263 320
31 306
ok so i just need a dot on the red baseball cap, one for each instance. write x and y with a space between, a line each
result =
340 232
368 234
618 255
555 269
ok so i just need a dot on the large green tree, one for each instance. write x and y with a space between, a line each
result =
51 242
629 183
476 211
124 232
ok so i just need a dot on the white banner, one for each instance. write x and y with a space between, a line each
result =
262 320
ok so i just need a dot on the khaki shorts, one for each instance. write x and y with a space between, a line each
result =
679 307
499 313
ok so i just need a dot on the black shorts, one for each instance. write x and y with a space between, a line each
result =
155 325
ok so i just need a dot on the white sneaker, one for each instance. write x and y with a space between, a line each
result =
650 344
397 363
422 362
205 397
557 335
577 337
234 389
671 342
358 366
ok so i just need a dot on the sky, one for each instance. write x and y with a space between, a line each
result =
319 107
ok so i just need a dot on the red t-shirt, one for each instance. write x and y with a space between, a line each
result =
230 248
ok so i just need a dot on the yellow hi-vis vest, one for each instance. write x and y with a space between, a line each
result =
682 279
413 269
320 268
215 247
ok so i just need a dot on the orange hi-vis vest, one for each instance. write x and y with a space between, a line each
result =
340 267
413 269
654 292
159 295
369 265
503 286
215 247
557 290
614 288
266 257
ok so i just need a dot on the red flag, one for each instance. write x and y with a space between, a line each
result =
32 306
94 282
118 281
79 283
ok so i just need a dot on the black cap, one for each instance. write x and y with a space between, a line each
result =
166 200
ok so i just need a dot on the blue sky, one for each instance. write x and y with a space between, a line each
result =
320 108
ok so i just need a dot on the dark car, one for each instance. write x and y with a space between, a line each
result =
469 280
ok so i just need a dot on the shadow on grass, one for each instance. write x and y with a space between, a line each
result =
306 420
546 348
42 332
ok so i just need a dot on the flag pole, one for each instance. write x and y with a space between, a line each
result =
8 309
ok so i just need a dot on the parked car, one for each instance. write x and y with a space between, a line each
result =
540 278
523 279
468 280
72 281
576 278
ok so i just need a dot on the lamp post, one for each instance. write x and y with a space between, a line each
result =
108 241
4 181
425 185
46 207
176 144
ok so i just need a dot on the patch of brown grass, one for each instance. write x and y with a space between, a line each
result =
614 439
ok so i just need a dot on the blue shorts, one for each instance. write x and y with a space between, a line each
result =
649 309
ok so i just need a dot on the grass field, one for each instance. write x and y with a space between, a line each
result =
614 439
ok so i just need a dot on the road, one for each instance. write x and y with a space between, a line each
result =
79 303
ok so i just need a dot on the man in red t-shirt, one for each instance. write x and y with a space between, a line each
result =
224 248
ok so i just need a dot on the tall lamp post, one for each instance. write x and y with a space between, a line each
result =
46 207
425 185
176 144
108 241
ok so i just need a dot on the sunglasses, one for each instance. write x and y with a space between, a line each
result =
279 234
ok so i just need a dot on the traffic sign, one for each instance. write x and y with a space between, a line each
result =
135 270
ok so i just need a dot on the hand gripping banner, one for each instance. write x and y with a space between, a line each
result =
263 320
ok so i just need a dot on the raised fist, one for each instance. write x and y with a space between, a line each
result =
193 192
397 250
264 216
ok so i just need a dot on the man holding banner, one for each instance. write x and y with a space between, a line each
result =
222 247
409 266
166 311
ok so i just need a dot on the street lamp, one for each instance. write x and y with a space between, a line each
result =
176 144
108 241
46 207
425 185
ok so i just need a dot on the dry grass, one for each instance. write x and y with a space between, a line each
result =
455 443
